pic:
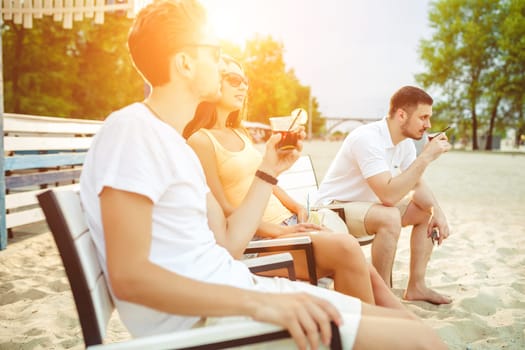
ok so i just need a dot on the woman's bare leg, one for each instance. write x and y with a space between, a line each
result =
384 296
340 257
391 333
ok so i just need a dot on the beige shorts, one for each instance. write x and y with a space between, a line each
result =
355 214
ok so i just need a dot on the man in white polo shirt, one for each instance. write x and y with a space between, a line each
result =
378 179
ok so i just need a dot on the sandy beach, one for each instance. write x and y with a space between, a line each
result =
481 266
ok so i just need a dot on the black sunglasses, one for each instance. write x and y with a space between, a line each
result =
235 79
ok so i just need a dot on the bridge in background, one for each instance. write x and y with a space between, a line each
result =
334 122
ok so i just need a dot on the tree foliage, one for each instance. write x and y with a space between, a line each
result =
83 73
475 58
274 90
86 72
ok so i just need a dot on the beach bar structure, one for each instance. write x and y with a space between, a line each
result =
26 13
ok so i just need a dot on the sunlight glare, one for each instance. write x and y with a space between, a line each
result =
227 21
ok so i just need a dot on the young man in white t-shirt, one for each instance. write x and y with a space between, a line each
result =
161 236
377 177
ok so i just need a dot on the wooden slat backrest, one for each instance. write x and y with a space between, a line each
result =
300 180
26 123
65 218
39 152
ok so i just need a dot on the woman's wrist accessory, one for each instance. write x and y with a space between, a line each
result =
266 177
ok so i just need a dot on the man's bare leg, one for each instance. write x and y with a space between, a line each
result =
420 252
385 222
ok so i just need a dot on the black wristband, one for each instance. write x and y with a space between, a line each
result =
266 177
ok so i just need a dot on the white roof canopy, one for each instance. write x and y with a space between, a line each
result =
65 11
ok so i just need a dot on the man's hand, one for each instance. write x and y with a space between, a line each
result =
440 222
436 147
306 317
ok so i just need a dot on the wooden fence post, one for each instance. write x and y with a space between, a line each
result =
3 230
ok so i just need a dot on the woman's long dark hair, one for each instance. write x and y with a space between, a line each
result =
206 113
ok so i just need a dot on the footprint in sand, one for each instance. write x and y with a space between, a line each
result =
33 331
58 286
482 304
13 297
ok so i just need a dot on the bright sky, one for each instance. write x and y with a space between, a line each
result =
353 53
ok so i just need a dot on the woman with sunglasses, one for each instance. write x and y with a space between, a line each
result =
230 160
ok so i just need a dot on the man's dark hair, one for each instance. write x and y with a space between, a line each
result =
160 30
407 98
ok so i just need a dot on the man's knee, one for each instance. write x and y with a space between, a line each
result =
389 221
414 215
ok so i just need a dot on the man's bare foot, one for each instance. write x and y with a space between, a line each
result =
426 294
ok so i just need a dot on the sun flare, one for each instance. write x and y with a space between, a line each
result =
227 22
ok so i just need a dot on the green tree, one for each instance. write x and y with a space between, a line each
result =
86 72
82 73
505 80
274 89
460 54
38 68
107 78
512 47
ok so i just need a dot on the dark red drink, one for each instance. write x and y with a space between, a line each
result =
288 139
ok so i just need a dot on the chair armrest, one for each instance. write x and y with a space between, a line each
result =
214 337
287 244
272 262
338 208
278 242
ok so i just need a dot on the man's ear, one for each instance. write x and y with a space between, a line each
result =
182 64
401 114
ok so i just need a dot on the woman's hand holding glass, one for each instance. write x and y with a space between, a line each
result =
275 161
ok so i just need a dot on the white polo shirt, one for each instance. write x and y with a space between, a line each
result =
366 151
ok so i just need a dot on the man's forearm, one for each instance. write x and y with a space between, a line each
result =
160 289
391 190
424 198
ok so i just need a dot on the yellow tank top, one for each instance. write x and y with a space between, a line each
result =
236 172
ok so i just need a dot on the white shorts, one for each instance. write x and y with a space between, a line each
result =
348 306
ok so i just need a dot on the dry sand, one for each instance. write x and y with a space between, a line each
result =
481 266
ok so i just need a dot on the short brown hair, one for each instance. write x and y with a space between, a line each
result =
159 31
407 98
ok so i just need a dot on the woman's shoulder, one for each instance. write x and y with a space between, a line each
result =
202 138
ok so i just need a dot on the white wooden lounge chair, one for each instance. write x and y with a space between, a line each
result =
64 216
300 182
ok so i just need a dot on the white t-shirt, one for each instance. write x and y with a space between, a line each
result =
136 152
366 151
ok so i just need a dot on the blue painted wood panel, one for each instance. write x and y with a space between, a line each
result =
42 161
48 177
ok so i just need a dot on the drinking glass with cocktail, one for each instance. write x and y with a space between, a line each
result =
288 127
